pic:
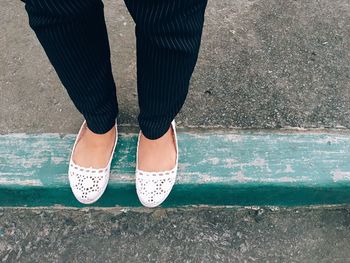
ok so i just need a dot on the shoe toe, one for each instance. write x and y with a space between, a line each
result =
153 188
88 184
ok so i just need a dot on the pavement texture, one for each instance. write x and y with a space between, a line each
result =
262 64
192 234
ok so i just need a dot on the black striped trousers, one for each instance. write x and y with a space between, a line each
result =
168 35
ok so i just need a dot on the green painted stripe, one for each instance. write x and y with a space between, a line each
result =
241 168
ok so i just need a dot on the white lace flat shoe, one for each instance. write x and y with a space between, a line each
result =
154 187
88 184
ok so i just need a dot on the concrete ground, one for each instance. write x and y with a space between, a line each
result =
265 234
262 64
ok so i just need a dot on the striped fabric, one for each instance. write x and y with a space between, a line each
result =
168 35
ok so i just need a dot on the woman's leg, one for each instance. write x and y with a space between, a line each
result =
74 36
168 36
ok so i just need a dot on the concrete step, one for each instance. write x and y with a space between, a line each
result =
215 168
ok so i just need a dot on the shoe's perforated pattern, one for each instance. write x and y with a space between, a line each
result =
154 187
87 183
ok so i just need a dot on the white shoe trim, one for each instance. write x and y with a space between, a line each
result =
88 184
154 187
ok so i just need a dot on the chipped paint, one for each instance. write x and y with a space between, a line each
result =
259 162
231 163
289 169
239 177
224 158
58 160
232 137
214 160
286 179
21 182
225 161
339 175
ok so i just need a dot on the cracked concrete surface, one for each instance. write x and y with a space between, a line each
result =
192 234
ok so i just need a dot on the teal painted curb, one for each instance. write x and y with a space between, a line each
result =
227 168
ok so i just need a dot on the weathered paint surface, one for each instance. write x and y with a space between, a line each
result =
213 169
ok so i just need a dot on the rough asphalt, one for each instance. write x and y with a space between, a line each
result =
193 234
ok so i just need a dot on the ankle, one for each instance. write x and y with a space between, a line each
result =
163 139
99 138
